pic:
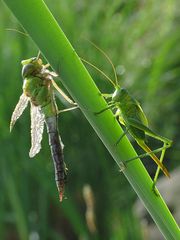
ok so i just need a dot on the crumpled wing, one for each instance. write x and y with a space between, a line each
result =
37 127
19 109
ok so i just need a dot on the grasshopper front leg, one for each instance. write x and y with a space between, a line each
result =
105 109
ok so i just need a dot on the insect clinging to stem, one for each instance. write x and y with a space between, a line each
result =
130 114
38 89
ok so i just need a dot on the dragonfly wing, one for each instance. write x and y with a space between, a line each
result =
19 109
37 127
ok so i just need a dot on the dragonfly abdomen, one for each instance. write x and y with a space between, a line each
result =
56 146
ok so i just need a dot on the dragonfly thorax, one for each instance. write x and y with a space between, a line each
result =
37 90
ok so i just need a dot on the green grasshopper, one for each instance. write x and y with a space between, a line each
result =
38 90
130 114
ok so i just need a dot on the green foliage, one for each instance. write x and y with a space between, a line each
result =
142 39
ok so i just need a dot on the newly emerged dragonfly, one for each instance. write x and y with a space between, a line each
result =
39 92
130 114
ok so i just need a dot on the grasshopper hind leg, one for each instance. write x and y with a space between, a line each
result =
158 169
162 150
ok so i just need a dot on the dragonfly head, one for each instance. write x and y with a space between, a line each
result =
119 94
31 66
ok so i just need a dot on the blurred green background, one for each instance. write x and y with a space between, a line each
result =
142 39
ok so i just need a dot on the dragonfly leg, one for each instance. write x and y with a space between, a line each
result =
47 65
62 93
67 109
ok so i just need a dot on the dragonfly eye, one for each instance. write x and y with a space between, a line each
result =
27 70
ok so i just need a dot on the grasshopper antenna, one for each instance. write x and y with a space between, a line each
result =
108 58
25 34
15 30
99 70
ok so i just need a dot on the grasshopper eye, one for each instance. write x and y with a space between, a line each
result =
117 95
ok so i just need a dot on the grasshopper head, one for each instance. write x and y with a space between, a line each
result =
119 94
31 66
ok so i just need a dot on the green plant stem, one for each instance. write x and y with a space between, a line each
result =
50 39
